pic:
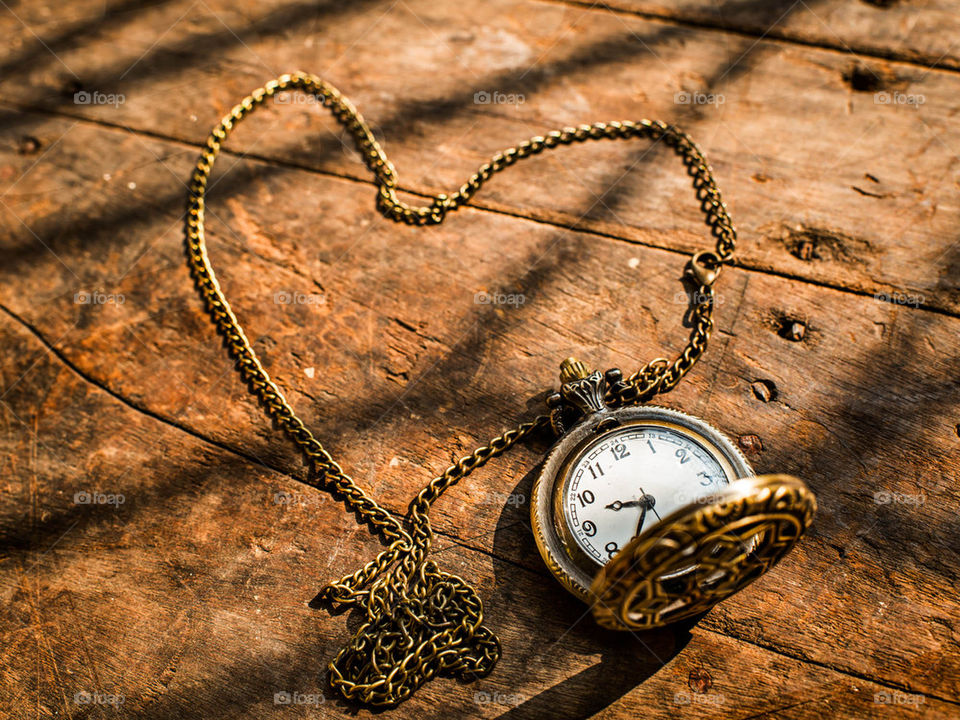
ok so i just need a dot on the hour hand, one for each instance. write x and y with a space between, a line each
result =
619 505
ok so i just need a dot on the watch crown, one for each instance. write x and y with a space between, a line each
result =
572 369
581 393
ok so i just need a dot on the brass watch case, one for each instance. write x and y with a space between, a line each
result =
692 559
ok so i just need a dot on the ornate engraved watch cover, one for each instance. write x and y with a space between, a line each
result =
651 515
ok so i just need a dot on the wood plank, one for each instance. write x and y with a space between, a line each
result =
796 143
167 606
409 376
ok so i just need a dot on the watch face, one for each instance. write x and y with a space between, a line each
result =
625 480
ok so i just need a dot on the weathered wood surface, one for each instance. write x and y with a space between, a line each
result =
192 596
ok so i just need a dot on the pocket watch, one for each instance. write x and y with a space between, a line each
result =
651 515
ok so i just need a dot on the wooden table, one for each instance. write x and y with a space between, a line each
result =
833 129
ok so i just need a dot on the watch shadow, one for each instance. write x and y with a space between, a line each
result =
566 626
627 661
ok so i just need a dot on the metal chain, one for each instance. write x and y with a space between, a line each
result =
420 621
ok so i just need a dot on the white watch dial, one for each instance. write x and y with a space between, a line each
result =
626 480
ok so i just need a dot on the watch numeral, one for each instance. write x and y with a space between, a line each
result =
595 472
611 548
706 478
589 529
619 451
682 454
652 448
585 498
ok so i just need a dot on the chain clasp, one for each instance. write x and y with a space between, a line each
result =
704 267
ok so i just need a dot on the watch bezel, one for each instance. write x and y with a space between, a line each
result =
573 567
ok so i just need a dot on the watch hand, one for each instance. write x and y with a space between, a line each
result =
618 505
647 501
643 515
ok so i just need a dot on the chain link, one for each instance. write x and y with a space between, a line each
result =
420 621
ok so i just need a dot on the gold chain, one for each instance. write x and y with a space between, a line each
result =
420 621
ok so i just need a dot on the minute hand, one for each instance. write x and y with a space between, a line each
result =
643 516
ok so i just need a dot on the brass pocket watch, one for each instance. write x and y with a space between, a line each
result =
648 514
651 515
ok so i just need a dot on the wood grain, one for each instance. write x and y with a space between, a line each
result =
192 597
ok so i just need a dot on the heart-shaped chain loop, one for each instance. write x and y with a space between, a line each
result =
420 621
